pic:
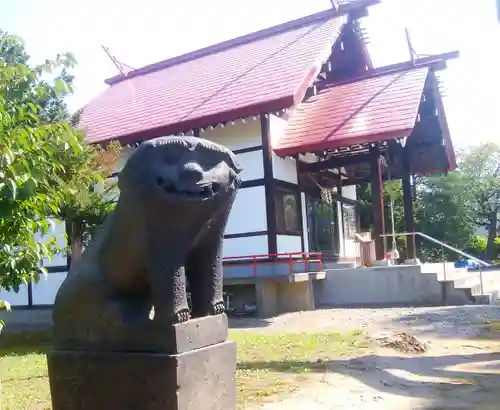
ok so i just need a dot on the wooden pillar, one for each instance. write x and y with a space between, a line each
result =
408 204
377 202
269 185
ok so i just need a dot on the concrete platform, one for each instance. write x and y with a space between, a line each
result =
286 294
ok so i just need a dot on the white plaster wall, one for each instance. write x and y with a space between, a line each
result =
240 135
249 211
44 292
253 245
277 126
341 231
16 299
304 222
350 246
288 243
253 166
349 192
350 250
284 169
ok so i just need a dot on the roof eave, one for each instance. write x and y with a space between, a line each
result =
343 142
184 126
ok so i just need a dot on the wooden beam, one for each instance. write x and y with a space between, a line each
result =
269 186
333 163
408 204
377 202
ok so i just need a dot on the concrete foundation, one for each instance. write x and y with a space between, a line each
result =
274 298
388 286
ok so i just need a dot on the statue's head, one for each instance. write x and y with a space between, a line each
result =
180 171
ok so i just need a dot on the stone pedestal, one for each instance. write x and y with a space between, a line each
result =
202 378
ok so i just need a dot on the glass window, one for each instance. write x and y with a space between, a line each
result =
287 211
350 220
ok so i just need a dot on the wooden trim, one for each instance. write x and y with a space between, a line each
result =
57 269
341 223
288 233
269 185
247 150
245 234
334 162
33 307
30 293
300 208
252 183
377 202
287 185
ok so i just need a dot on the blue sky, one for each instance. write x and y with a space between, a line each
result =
139 33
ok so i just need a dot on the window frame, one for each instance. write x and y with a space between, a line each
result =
279 196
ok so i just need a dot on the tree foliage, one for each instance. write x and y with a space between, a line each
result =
449 207
479 169
46 171
84 207
442 213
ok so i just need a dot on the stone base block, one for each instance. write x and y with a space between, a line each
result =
151 337
202 379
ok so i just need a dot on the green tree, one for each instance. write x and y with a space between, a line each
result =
46 171
28 167
438 211
442 212
479 168
84 207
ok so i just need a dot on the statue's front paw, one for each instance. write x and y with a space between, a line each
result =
218 308
182 316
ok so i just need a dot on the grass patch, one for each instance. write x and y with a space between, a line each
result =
490 330
268 364
493 326
271 364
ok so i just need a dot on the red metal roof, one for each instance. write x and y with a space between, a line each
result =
265 71
369 110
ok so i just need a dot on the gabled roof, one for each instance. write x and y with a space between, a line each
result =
369 110
261 72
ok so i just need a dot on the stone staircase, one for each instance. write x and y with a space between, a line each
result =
417 285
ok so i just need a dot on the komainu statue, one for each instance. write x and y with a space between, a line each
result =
167 229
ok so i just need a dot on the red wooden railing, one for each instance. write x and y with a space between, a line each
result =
290 258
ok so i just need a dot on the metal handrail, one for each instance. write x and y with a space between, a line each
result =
437 241
290 258
444 245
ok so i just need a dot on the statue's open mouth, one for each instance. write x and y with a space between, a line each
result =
202 191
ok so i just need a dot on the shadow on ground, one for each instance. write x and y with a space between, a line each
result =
446 382
23 343
247 322
462 322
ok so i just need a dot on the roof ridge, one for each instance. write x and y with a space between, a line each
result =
228 44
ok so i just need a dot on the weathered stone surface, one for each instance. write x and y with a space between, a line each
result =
168 228
199 333
202 379
167 231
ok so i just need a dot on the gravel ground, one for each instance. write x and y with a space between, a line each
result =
461 369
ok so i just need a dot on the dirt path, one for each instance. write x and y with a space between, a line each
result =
460 370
